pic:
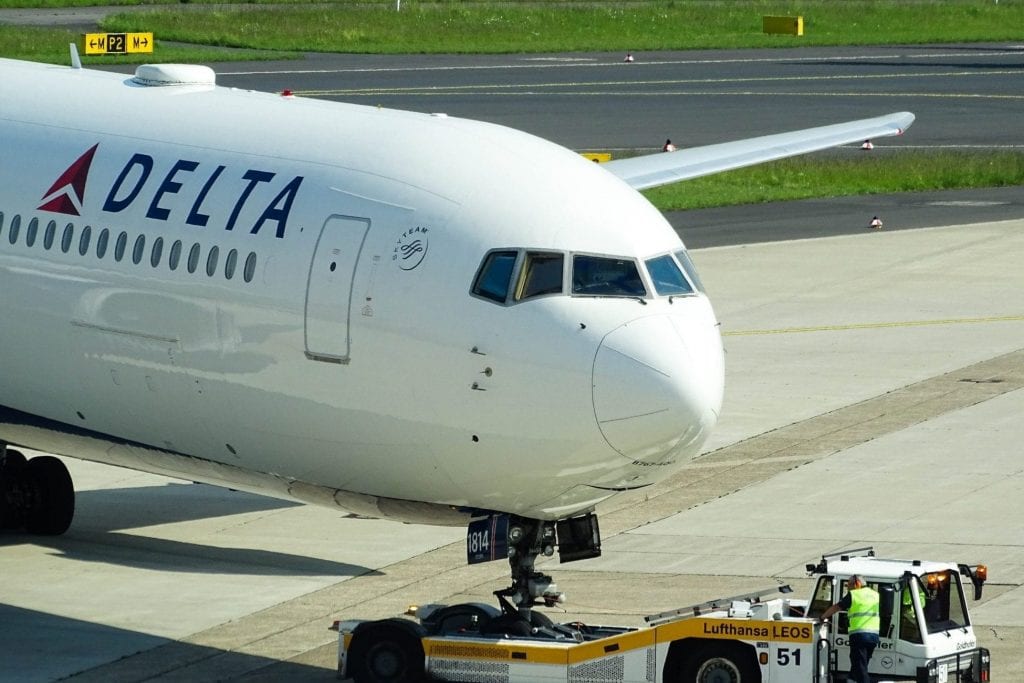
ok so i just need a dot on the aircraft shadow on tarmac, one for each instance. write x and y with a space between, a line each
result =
64 646
100 514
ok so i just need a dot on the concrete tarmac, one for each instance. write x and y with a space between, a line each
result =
890 363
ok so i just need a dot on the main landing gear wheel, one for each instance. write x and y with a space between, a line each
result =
37 495
55 506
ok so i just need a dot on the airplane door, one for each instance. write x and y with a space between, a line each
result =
329 290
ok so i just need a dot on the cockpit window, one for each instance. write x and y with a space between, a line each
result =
603 276
691 270
495 276
542 274
668 279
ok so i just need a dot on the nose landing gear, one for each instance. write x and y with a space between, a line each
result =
36 495
527 540
577 538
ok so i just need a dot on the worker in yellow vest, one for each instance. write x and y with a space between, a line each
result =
910 630
861 607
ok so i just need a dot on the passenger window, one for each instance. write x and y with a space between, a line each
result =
139 249
83 241
157 252
542 274
230 263
175 255
30 232
67 238
495 275
101 243
683 257
1 222
12 233
211 261
49 235
120 246
193 257
603 276
250 267
667 277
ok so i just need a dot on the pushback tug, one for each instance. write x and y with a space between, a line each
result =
766 636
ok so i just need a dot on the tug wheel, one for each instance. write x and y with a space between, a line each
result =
386 653
718 663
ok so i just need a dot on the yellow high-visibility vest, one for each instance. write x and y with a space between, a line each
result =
863 614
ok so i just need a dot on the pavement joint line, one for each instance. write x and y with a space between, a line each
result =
435 572
743 461
878 325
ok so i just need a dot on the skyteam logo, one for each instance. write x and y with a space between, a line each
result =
67 194
411 248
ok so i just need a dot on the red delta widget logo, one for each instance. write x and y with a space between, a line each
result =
208 190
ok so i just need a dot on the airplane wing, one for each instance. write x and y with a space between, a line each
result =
692 162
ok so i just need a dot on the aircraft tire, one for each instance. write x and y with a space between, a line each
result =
12 514
13 461
387 654
54 508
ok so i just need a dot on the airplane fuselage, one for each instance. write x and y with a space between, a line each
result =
292 297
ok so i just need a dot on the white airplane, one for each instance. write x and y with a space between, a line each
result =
404 315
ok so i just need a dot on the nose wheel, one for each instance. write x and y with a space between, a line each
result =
36 494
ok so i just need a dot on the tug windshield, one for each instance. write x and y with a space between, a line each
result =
944 606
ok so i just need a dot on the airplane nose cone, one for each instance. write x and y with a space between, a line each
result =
658 387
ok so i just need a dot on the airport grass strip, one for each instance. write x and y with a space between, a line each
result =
851 172
504 27
455 26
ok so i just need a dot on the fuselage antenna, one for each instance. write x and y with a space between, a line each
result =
76 61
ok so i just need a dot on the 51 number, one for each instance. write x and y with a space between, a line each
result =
786 656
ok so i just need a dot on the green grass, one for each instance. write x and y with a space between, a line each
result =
845 173
11 4
455 27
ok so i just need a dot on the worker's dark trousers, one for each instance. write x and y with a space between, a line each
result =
861 647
